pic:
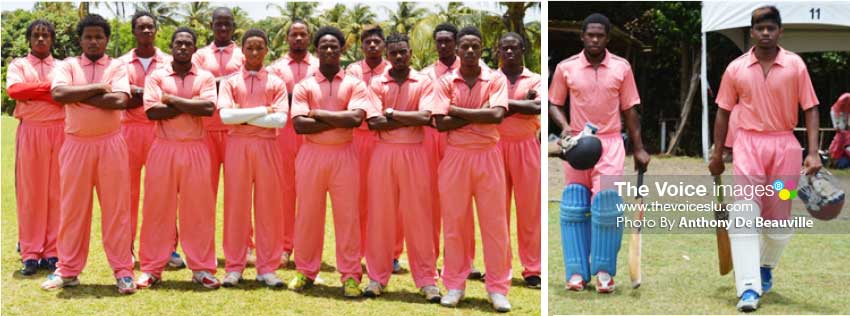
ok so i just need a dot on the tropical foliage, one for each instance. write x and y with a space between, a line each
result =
416 19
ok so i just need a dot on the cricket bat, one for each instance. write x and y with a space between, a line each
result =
724 250
635 243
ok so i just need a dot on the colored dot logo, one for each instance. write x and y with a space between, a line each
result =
787 190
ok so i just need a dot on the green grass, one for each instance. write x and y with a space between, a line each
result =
680 272
177 296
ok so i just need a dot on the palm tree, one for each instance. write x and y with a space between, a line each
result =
287 13
406 17
165 12
335 16
359 17
242 20
197 15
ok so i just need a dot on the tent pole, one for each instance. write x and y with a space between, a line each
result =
704 89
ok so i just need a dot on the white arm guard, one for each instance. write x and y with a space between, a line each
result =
239 116
274 120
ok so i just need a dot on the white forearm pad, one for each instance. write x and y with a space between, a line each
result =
773 242
744 242
274 120
239 116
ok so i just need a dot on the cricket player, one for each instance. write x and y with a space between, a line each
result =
399 186
766 85
326 107
601 87
137 129
372 65
222 58
255 103
293 67
176 97
521 152
38 140
445 36
470 103
95 90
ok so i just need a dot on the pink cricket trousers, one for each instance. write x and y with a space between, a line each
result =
400 190
319 170
763 157
177 176
289 143
522 173
37 187
434 148
139 138
252 174
479 174
98 162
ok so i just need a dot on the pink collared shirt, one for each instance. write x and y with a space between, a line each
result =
31 69
414 94
362 71
252 89
490 87
341 94
220 62
436 70
520 126
767 103
596 95
198 84
83 119
136 73
293 71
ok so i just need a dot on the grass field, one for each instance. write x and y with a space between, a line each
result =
178 296
680 273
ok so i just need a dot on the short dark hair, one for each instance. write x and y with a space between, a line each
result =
297 21
469 30
596 18
139 14
255 33
514 35
445 27
44 23
372 30
93 20
329 30
221 10
766 13
184 29
397 38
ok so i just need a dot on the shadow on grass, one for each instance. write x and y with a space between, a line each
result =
84 291
221 262
775 298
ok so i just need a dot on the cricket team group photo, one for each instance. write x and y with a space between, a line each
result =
380 158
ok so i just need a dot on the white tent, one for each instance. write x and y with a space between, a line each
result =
810 26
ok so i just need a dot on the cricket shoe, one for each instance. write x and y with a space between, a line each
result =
126 285
374 289
48 264
500 302
766 279
54 281
604 282
351 288
431 293
232 279
749 301
270 279
532 281
452 298
30 267
300 282
396 266
146 280
206 279
474 274
576 283
175 261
